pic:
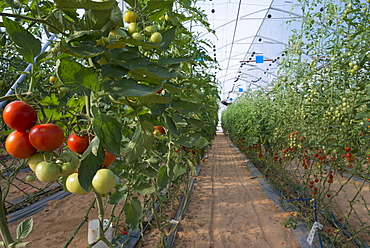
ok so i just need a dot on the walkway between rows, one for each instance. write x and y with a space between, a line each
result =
228 207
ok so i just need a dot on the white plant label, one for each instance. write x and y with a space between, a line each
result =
313 231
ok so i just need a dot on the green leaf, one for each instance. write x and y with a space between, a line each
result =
196 123
362 115
189 140
76 76
167 38
179 170
86 4
117 17
113 71
128 87
202 142
157 5
155 98
185 106
91 160
162 178
171 61
108 129
143 139
144 188
171 125
117 197
83 51
24 228
26 43
133 212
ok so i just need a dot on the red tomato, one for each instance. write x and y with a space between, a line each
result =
347 149
78 143
19 115
159 129
109 159
18 145
46 137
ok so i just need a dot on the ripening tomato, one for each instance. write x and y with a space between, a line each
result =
77 143
109 159
19 115
18 145
46 137
159 129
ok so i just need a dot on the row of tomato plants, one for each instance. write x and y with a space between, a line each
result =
119 107
309 130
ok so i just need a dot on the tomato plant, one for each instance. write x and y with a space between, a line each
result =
18 145
46 137
78 143
19 115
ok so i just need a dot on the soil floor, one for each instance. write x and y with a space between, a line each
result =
228 207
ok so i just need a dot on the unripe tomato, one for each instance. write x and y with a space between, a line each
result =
137 36
74 186
69 163
46 137
133 28
36 158
18 145
103 181
109 159
47 172
78 143
151 29
130 16
156 37
30 178
19 115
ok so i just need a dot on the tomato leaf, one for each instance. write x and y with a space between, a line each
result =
108 129
162 178
189 140
185 106
24 228
171 125
91 160
154 98
26 43
196 123
117 196
133 212
142 139
143 188
157 5
85 4
128 87
76 76
167 38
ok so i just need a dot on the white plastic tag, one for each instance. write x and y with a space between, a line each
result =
174 221
313 231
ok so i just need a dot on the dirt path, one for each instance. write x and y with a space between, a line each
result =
228 208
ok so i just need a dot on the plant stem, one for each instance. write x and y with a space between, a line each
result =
101 220
86 217
4 228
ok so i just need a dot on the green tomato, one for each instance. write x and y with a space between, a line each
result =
69 163
150 29
156 37
137 36
30 178
47 172
37 158
74 186
103 181
133 28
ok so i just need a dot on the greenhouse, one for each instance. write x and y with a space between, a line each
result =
180 123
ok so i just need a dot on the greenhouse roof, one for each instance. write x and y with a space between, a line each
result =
249 39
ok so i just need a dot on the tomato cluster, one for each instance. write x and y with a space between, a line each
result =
28 137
